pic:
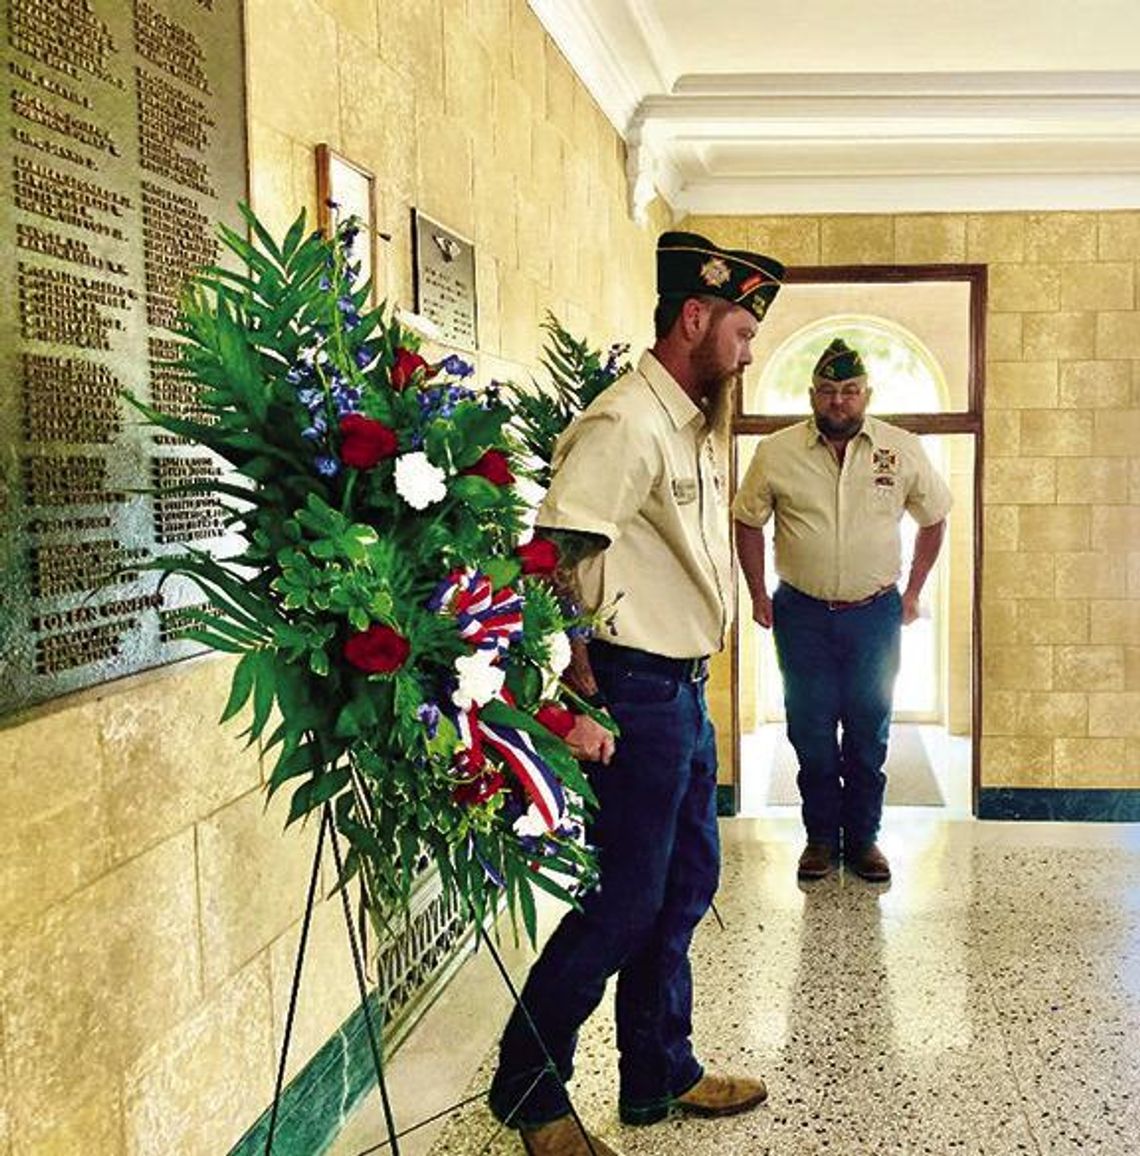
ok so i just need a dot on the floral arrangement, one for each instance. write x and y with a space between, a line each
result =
400 646
577 375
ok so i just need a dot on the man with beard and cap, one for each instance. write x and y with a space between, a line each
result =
636 508
838 486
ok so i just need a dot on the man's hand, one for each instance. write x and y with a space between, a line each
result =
590 740
910 607
762 610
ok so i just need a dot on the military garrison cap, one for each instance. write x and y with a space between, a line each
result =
689 265
839 362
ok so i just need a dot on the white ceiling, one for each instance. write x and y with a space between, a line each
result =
809 106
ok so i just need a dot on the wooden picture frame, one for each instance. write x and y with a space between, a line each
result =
346 189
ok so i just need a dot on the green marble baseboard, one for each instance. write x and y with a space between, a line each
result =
725 799
1060 805
315 1104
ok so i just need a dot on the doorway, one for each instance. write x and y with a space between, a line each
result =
920 332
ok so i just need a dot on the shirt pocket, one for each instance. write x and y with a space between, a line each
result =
886 496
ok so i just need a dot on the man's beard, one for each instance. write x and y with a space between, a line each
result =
720 404
718 409
845 428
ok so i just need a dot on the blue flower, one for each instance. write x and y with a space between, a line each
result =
346 401
428 713
363 356
325 284
456 366
312 397
327 466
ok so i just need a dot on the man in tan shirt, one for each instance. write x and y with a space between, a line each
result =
636 506
838 486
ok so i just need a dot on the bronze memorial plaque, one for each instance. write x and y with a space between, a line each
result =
124 144
445 282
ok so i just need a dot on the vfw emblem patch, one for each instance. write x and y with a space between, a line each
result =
884 465
885 461
715 272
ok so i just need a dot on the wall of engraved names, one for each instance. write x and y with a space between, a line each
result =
123 145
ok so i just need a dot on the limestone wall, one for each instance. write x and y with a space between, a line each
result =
1061 577
148 905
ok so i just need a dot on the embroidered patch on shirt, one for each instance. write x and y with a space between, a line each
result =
884 480
715 272
684 490
885 461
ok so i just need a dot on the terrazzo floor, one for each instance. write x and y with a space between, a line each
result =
985 1002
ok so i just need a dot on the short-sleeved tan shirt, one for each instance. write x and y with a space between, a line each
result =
639 468
837 530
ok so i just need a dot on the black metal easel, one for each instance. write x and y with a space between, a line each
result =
328 828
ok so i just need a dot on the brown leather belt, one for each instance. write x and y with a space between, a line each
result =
860 602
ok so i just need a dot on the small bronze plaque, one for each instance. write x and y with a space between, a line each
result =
445 282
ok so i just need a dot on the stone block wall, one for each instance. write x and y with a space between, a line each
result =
149 906
1061 579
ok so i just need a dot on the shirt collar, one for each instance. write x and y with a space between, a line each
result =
680 407
814 437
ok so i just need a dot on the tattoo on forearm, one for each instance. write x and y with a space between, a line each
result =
574 547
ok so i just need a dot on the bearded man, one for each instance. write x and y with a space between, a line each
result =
838 486
636 507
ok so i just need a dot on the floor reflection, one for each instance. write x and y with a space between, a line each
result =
986 1002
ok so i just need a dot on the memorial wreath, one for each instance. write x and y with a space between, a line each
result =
398 643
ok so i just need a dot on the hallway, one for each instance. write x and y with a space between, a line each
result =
987 1002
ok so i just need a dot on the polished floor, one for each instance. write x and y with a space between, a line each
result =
985 1002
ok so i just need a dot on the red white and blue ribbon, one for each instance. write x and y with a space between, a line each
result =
515 749
489 619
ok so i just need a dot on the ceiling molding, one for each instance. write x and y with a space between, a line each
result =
835 142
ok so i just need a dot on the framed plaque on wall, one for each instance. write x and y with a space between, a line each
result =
445 281
346 189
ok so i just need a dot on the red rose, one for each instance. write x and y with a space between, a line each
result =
538 556
366 441
478 790
556 718
407 363
377 650
493 466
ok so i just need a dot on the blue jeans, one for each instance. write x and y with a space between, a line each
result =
659 854
839 669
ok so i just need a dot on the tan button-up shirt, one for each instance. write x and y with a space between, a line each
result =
639 468
837 530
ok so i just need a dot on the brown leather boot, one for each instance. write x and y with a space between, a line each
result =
563 1137
870 864
722 1096
816 861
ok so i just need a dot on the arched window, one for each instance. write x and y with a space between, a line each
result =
902 372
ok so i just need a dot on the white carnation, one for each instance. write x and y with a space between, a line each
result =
558 651
418 482
532 824
479 679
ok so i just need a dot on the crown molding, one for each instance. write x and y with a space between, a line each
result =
835 142
907 142
607 49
